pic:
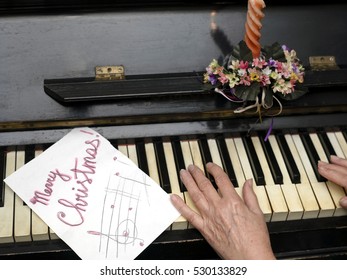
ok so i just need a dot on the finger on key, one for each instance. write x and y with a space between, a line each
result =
204 184
222 180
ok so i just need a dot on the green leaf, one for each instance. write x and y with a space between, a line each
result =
241 52
268 97
248 93
274 51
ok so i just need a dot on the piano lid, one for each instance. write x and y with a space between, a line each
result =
65 45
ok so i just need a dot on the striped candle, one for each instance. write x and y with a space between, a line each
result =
253 26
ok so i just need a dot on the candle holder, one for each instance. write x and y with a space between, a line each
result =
276 74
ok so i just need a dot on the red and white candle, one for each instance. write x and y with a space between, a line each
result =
253 26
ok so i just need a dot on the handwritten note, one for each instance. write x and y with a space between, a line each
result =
93 197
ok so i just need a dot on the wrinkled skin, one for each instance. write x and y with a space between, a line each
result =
233 226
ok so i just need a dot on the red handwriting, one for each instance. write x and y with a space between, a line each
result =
44 196
82 175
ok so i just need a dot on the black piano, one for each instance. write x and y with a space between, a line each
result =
49 51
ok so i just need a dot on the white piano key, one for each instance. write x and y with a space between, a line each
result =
291 196
274 192
180 222
335 191
152 162
343 144
247 170
240 177
188 160
22 214
7 211
132 154
308 199
327 207
213 147
335 143
196 155
39 229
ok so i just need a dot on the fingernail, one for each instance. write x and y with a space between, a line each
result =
321 163
343 202
183 172
191 167
249 182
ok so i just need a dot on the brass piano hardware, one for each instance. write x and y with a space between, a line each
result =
109 72
321 63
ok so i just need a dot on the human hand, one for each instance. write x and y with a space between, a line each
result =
235 228
336 172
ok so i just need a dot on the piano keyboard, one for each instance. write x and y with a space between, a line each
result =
284 172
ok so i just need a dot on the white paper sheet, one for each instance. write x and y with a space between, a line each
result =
93 197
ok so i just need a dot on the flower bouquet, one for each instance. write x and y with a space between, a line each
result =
276 74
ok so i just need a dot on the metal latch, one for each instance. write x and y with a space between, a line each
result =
109 72
319 63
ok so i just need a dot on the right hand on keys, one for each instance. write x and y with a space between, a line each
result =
336 172
234 227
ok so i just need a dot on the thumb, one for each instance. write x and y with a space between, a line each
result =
250 198
343 202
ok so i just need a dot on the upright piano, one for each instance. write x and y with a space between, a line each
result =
49 51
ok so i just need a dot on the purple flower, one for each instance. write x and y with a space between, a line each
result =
212 79
285 48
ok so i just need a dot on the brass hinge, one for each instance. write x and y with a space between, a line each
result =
109 72
320 63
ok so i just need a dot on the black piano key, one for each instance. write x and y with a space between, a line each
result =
271 160
254 161
114 143
312 154
161 163
141 156
179 159
292 169
2 175
227 164
206 156
29 151
328 148
344 132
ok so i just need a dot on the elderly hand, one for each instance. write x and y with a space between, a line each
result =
233 226
336 172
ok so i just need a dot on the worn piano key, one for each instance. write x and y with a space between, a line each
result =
311 154
274 192
122 147
152 162
188 160
196 155
254 161
335 191
162 165
305 191
271 160
2 174
132 153
335 144
327 207
326 144
288 159
39 229
290 193
342 142
226 161
247 170
7 211
22 215
141 156
235 160
180 223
